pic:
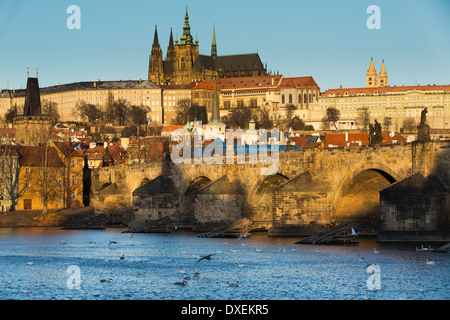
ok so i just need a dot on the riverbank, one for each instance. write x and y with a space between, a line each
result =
35 218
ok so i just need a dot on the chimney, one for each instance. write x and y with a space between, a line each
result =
272 81
95 84
140 80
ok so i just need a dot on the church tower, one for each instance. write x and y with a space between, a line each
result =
383 77
156 68
371 76
186 53
170 48
214 45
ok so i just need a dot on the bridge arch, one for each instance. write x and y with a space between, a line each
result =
357 196
196 184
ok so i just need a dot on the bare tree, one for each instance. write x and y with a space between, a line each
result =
50 108
363 119
9 174
409 124
182 109
88 112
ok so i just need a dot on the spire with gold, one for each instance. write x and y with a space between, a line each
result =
186 38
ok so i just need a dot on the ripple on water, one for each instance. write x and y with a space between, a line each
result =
264 268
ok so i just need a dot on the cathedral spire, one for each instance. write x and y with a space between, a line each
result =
214 45
186 38
155 40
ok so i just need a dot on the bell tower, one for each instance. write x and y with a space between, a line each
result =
371 76
383 77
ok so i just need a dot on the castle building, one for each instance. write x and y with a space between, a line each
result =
184 64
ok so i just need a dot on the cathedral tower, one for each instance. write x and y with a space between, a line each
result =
383 77
371 76
156 67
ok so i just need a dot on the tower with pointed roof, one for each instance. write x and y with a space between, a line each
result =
32 127
371 76
383 77
156 67
171 48
214 45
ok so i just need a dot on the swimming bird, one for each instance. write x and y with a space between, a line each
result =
182 271
183 283
375 250
430 262
258 249
233 284
93 242
63 242
30 263
107 260
361 258
112 242
208 257
196 273
141 274
104 280
122 257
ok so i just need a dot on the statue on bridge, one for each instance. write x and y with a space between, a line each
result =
423 130
375 135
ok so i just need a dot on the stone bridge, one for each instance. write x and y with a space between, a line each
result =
313 188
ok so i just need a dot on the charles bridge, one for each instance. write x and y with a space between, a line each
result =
312 189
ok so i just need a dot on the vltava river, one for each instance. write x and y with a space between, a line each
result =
54 264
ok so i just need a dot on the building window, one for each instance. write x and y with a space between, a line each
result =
240 103
290 98
282 99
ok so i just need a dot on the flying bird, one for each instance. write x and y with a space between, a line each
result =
208 257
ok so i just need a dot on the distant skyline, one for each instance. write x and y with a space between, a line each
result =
328 40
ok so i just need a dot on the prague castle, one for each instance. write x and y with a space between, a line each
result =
184 64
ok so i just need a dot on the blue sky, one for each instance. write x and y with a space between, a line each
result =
326 39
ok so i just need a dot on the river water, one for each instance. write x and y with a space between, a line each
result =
55 264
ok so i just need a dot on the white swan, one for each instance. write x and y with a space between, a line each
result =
430 262
375 250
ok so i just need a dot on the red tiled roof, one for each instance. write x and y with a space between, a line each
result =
300 141
384 90
248 82
197 85
34 156
338 139
298 82
171 128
